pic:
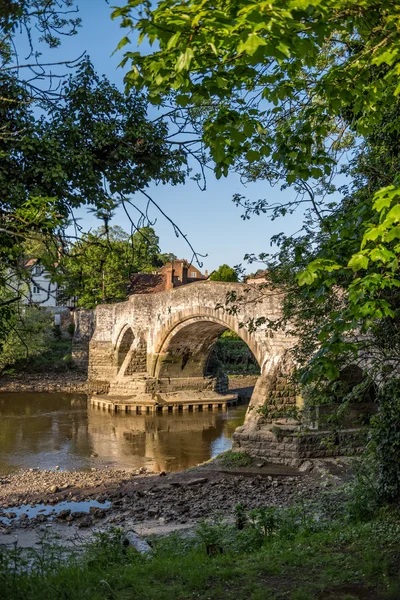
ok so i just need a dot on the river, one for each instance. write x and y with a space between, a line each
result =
50 430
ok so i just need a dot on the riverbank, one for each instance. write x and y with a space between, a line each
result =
321 548
68 382
152 501
76 381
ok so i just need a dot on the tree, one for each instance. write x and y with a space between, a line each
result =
29 335
34 22
88 144
23 86
95 148
284 89
98 268
146 250
224 273
167 257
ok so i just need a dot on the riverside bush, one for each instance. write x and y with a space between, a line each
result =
385 441
259 562
363 498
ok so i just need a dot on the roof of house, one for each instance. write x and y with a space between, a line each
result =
150 283
183 261
147 283
262 275
32 262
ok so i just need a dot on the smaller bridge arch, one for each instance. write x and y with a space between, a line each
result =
129 352
124 342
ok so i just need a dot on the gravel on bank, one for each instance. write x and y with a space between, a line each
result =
175 498
70 382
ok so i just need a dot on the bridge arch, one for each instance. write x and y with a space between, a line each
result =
130 351
123 348
183 346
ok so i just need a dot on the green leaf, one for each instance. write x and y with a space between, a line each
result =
251 45
386 56
253 155
384 197
393 215
371 234
358 261
306 277
284 49
184 60
381 254
392 234
182 100
173 40
125 40
316 172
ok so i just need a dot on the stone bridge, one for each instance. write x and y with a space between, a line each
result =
153 350
160 343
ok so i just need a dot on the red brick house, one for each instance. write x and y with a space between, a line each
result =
172 275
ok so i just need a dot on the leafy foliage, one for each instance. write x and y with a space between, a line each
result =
386 441
224 273
310 59
80 141
272 556
232 355
30 336
236 459
97 269
286 88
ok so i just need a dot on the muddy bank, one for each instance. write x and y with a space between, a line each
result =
73 381
153 502
76 381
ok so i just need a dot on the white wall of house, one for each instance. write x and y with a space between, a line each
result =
41 290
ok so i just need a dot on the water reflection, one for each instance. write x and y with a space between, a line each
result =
45 430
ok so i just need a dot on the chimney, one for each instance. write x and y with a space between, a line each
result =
169 276
206 273
184 272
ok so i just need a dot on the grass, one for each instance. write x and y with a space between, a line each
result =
236 459
287 555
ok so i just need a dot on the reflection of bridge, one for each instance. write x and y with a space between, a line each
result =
164 443
153 349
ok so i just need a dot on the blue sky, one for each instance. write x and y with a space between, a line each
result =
210 219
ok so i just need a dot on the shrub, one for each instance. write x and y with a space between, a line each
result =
30 337
385 441
212 535
57 332
236 459
363 497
